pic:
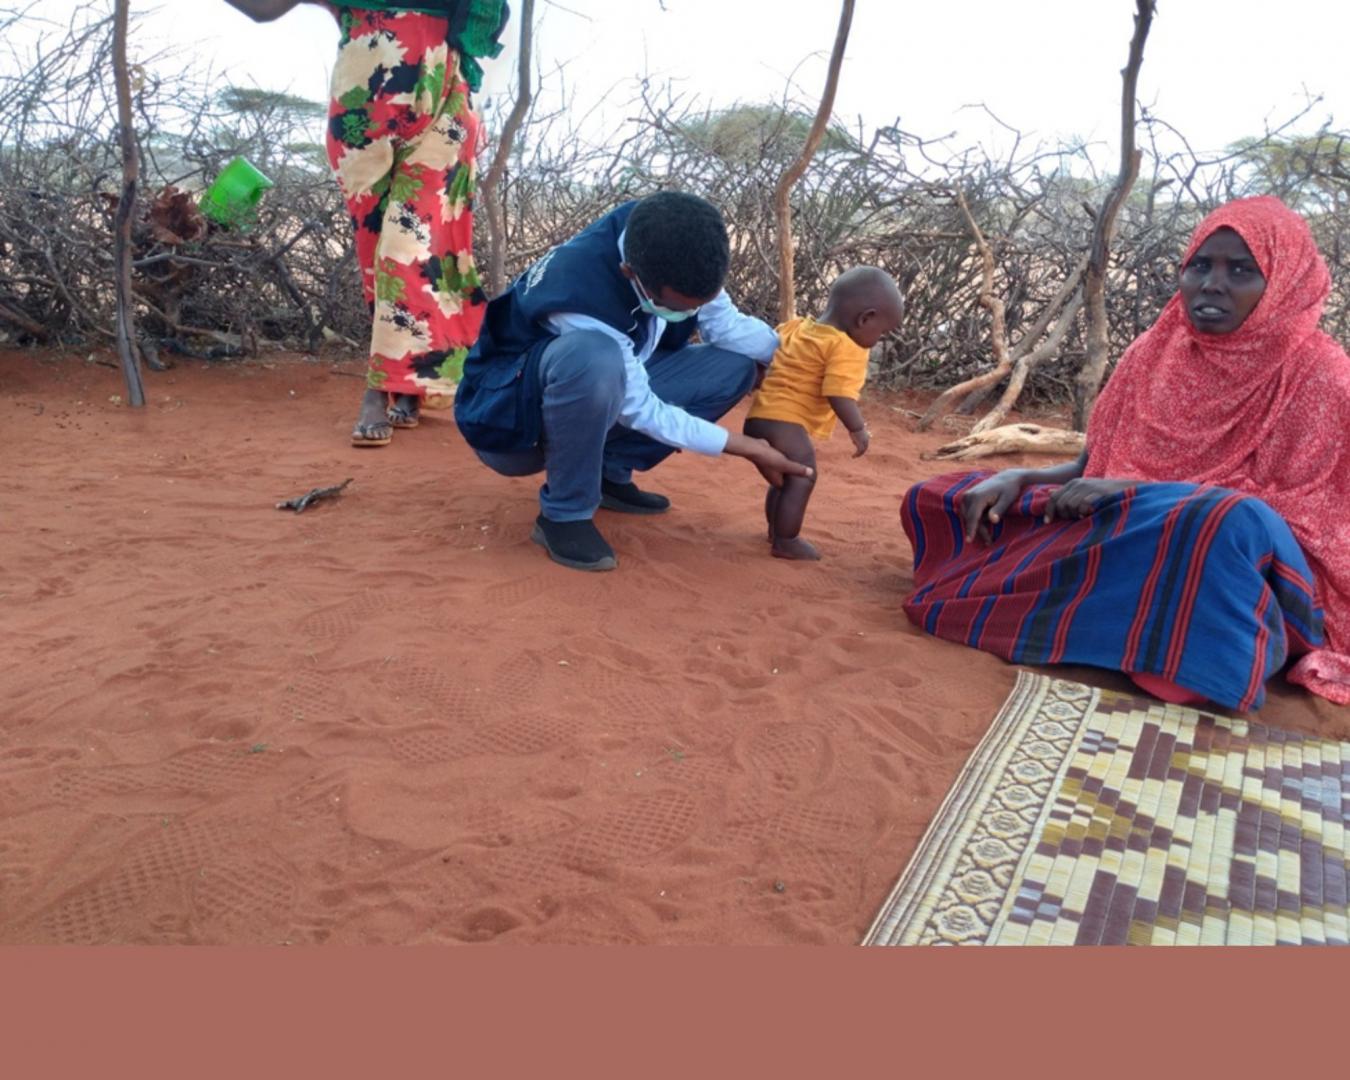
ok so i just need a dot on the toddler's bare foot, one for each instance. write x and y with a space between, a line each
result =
796 548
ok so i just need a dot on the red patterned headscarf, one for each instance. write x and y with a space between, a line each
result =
1264 410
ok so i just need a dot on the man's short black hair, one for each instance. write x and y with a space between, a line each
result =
676 240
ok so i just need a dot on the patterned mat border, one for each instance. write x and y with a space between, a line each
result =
1002 765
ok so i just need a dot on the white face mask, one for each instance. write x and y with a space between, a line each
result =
651 307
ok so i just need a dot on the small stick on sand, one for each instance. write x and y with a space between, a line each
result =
299 504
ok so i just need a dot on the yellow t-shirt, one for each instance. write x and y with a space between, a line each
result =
813 362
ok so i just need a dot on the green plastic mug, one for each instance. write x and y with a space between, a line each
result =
233 197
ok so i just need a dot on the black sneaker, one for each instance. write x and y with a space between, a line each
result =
630 499
577 544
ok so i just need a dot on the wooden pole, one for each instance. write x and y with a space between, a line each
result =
490 189
787 285
1096 342
126 207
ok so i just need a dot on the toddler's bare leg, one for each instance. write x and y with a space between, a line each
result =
785 507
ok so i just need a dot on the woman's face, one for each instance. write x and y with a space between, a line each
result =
1221 284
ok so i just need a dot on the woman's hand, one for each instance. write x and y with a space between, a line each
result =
987 502
1079 498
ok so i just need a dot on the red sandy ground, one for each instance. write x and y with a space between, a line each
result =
391 719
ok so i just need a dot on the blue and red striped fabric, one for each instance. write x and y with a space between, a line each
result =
1201 586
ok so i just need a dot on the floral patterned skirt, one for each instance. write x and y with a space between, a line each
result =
401 141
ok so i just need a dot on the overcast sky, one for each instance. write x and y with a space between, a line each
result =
1217 71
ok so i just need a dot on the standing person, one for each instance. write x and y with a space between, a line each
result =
401 140
1203 538
817 376
585 369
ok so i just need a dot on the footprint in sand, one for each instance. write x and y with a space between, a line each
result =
527 823
110 906
193 774
517 591
80 789
560 792
210 772
228 574
821 823
487 923
335 623
518 735
548 595
316 807
436 687
438 694
628 697
341 621
225 729
799 583
851 653
388 922
736 676
466 537
521 735
517 678
18 875
584 935
815 888
906 731
38 756
243 896
639 828
534 869
315 694
425 746
787 758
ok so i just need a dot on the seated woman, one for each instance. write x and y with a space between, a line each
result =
1203 538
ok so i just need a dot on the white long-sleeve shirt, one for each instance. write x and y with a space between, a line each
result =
720 323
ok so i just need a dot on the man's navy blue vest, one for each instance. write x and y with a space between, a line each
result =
497 406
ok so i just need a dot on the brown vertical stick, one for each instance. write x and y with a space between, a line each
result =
1097 347
490 189
998 328
126 208
787 285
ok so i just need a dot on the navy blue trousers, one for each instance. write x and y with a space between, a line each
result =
582 377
